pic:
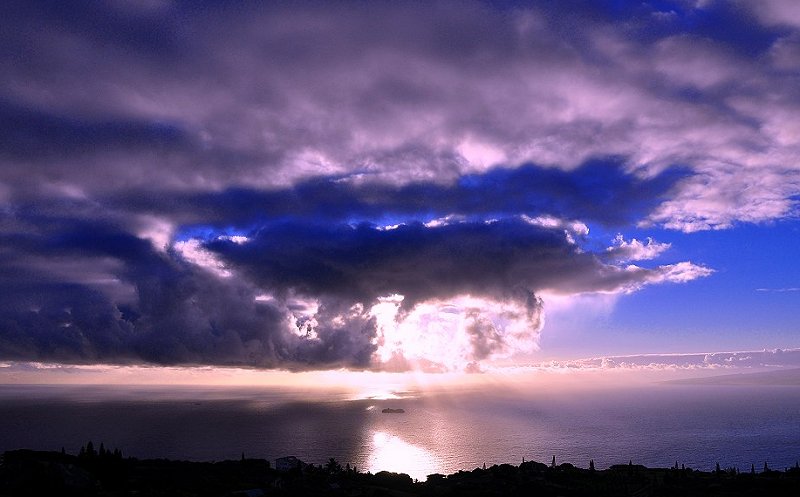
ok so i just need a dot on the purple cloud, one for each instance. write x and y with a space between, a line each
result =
239 183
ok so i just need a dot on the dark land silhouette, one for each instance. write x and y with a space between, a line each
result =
104 472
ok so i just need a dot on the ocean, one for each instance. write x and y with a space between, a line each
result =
441 431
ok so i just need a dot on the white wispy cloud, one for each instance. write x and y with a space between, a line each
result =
635 250
742 360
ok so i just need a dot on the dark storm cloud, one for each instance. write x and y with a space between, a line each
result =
32 135
175 313
79 290
128 126
363 263
61 322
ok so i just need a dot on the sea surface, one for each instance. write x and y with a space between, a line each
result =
441 431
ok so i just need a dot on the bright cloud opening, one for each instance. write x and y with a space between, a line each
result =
454 334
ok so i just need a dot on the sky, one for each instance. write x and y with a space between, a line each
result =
445 187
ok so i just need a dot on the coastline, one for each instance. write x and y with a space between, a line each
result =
108 473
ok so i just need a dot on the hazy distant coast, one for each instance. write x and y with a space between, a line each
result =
785 377
108 473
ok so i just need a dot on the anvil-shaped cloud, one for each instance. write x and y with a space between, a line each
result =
316 185
301 285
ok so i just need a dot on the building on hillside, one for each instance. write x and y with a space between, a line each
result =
287 463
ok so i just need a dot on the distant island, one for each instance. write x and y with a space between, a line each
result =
107 473
389 410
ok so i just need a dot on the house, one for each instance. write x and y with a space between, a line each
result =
287 463
254 492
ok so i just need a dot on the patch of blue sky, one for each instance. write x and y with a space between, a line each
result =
740 304
207 233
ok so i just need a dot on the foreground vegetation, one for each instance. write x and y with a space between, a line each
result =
108 473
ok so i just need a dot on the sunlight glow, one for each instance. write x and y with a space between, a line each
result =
391 453
454 334
377 395
366 385
193 251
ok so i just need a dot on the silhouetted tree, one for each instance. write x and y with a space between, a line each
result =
102 451
591 465
90 452
553 463
752 469
717 469
333 466
766 468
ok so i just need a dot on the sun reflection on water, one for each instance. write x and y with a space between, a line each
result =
391 453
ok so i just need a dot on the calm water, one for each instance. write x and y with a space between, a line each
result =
440 432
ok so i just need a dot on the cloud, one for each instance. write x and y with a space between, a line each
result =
760 359
298 277
244 184
635 250
292 294
456 334
177 313
679 273
776 12
599 190
258 96
478 258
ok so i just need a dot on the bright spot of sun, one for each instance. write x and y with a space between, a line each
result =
391 453
453 334
380 395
